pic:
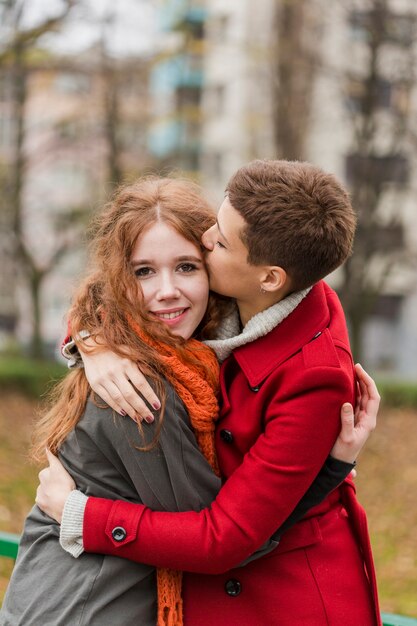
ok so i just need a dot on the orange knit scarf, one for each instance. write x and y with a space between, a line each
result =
199 397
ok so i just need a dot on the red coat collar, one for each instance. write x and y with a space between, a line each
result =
259 358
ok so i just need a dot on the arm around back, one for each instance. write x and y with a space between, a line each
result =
300 427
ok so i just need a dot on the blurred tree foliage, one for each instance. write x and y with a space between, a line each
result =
89 136
18 46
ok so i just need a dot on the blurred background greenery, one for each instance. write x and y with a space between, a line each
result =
95 93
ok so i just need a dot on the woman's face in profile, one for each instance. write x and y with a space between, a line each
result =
172 277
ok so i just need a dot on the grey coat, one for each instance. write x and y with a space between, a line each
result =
48 587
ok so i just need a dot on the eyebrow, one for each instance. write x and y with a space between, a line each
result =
221 232
178 259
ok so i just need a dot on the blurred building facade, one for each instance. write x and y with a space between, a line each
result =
206 103
177 86
238 99
82 130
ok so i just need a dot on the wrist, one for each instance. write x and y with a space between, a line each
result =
71 533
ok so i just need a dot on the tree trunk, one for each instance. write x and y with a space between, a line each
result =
356 323
294 71
36 346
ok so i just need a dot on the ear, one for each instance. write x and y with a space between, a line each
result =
274 278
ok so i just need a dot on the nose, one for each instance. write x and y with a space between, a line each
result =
168 289
208 238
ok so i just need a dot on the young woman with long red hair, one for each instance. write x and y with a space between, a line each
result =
148 300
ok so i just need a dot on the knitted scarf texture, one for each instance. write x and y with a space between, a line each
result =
199 397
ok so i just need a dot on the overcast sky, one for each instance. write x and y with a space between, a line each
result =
132 24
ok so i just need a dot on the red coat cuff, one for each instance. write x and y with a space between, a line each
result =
110 525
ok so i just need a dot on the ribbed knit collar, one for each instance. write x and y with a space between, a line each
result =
230 336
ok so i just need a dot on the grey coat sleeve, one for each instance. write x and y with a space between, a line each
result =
103 455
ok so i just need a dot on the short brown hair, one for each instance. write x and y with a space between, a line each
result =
297 216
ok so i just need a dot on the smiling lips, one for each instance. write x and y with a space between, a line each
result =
170 317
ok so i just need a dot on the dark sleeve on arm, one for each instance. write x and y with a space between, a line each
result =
331 475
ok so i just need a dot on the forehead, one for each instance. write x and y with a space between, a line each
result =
229 221
161 240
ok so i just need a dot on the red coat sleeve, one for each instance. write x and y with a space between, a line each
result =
301 426
67 338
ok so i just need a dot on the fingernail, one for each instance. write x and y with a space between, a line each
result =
149 419
346 408
156 405
123 413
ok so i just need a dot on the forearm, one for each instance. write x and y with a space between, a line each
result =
192 541
331 475
255 501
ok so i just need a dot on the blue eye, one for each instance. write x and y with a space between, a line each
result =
142 272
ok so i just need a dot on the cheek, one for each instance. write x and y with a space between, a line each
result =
201 292
147 291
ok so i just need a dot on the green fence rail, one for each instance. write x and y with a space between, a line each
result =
9 544
389 619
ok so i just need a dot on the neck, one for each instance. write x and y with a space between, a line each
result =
260 303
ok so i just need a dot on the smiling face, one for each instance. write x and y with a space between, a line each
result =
172 277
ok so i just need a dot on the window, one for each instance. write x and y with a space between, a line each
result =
5 88
390 27
131 135
219 27
382 95
195 29
75 83
6 129
188 95
216 100
392 168
381 237
69 130
388 307
214 165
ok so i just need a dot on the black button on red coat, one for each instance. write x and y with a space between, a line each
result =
119 533
226 435
233 587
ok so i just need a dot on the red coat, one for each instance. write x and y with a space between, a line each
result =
281 404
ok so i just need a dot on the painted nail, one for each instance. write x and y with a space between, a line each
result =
122 412
149 419
156 405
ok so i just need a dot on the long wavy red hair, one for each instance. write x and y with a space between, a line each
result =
110 296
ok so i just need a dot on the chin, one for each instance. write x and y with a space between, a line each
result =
222 292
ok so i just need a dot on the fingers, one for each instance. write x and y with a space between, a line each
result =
370 398
51 458
43 474
358 405
362 384
101 391
139 381
123 398
130 400
348 422
367 383
117 381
